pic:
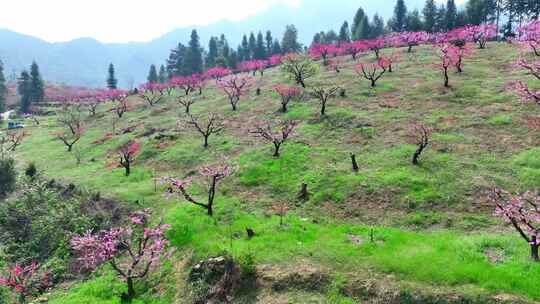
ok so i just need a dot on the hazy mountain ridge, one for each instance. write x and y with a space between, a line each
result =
84 61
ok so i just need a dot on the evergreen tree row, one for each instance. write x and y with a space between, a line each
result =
187 60
445 17
434 18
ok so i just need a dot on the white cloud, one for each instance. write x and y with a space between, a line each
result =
124 20
120 20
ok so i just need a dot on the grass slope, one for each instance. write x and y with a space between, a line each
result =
431 222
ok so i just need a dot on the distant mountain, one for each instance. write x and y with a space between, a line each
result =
84 61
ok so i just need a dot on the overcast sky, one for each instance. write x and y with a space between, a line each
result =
123 20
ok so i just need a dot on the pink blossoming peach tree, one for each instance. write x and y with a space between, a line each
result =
214 174
132 251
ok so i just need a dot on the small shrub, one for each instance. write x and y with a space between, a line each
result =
500 120
247 264
31 170
8 176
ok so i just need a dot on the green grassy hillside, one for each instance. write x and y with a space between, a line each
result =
433 228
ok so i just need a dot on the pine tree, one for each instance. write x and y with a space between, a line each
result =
223 47
377 28
212 52
430 16
252 45
440 19
276 48
358 18
290 42
414 22
152 74
519 9
223 51
534 9
243 50
162 76
399 21
331 37
3 89
345 33
495 10
363 31
232 61
175 62
24 88
269 40
461 18
260 47
475 10
112 82
317 39
37 87
193 62
451 15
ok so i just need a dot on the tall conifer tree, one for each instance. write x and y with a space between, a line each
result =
24 88
112 82
399 21
193 62
430 16
152 74
37 87
3 89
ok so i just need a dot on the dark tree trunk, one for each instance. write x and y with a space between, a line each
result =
131 290
458 65
354 163
250 233
283 107
276 149
446 79
373 83
323 108
482 45
303 194
417 154
497 22
128 169
534 249
205 142
70 147
211 195
410 49
302 83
